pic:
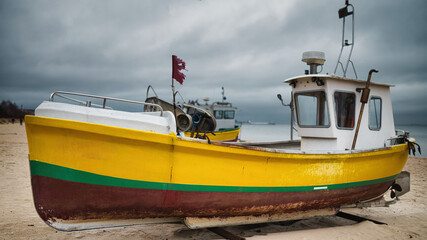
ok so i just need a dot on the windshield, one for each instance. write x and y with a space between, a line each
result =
229 114
345 104
312 109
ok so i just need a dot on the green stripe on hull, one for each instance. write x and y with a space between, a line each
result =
68 174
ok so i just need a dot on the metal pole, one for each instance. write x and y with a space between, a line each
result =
292 117
173 90
291 105
363 100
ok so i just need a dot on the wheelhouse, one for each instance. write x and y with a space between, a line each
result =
327 110
224 113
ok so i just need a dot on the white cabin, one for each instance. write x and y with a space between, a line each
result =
224 113
327 111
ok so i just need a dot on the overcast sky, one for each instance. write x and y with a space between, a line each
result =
118 48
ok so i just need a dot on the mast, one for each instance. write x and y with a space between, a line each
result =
343 13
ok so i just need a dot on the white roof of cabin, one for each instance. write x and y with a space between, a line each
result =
332 76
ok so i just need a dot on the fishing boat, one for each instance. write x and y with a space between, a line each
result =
93 166
220 117
225 115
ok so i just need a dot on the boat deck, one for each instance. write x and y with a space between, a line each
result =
285 145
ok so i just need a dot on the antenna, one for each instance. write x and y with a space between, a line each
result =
223 95
313 59
343 13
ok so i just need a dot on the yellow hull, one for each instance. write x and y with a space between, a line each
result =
124 153
223 136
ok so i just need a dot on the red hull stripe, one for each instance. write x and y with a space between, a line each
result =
59 199
68 174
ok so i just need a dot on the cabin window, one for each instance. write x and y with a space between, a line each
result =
345 105
375 113
312 109
229 114
219 114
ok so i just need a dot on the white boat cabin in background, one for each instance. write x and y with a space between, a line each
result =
328 107
224 113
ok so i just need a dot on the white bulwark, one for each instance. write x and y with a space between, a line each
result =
143 121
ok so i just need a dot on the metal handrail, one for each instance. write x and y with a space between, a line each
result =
89 103
82 102
148 90
178 93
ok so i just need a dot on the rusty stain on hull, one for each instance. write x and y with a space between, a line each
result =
59 199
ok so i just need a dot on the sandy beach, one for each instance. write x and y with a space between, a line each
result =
407 219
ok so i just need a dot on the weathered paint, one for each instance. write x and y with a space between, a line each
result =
151 157
59 199
61 173
86 171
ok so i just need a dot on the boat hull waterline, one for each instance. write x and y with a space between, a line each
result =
83 172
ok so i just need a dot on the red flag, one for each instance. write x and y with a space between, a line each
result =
178 65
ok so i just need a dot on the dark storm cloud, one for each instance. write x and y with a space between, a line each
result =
118 48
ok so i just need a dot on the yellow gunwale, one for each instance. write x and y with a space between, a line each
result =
227 135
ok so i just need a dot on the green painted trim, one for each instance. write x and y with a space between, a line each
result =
68 174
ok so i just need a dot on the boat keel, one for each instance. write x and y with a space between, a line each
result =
209 222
